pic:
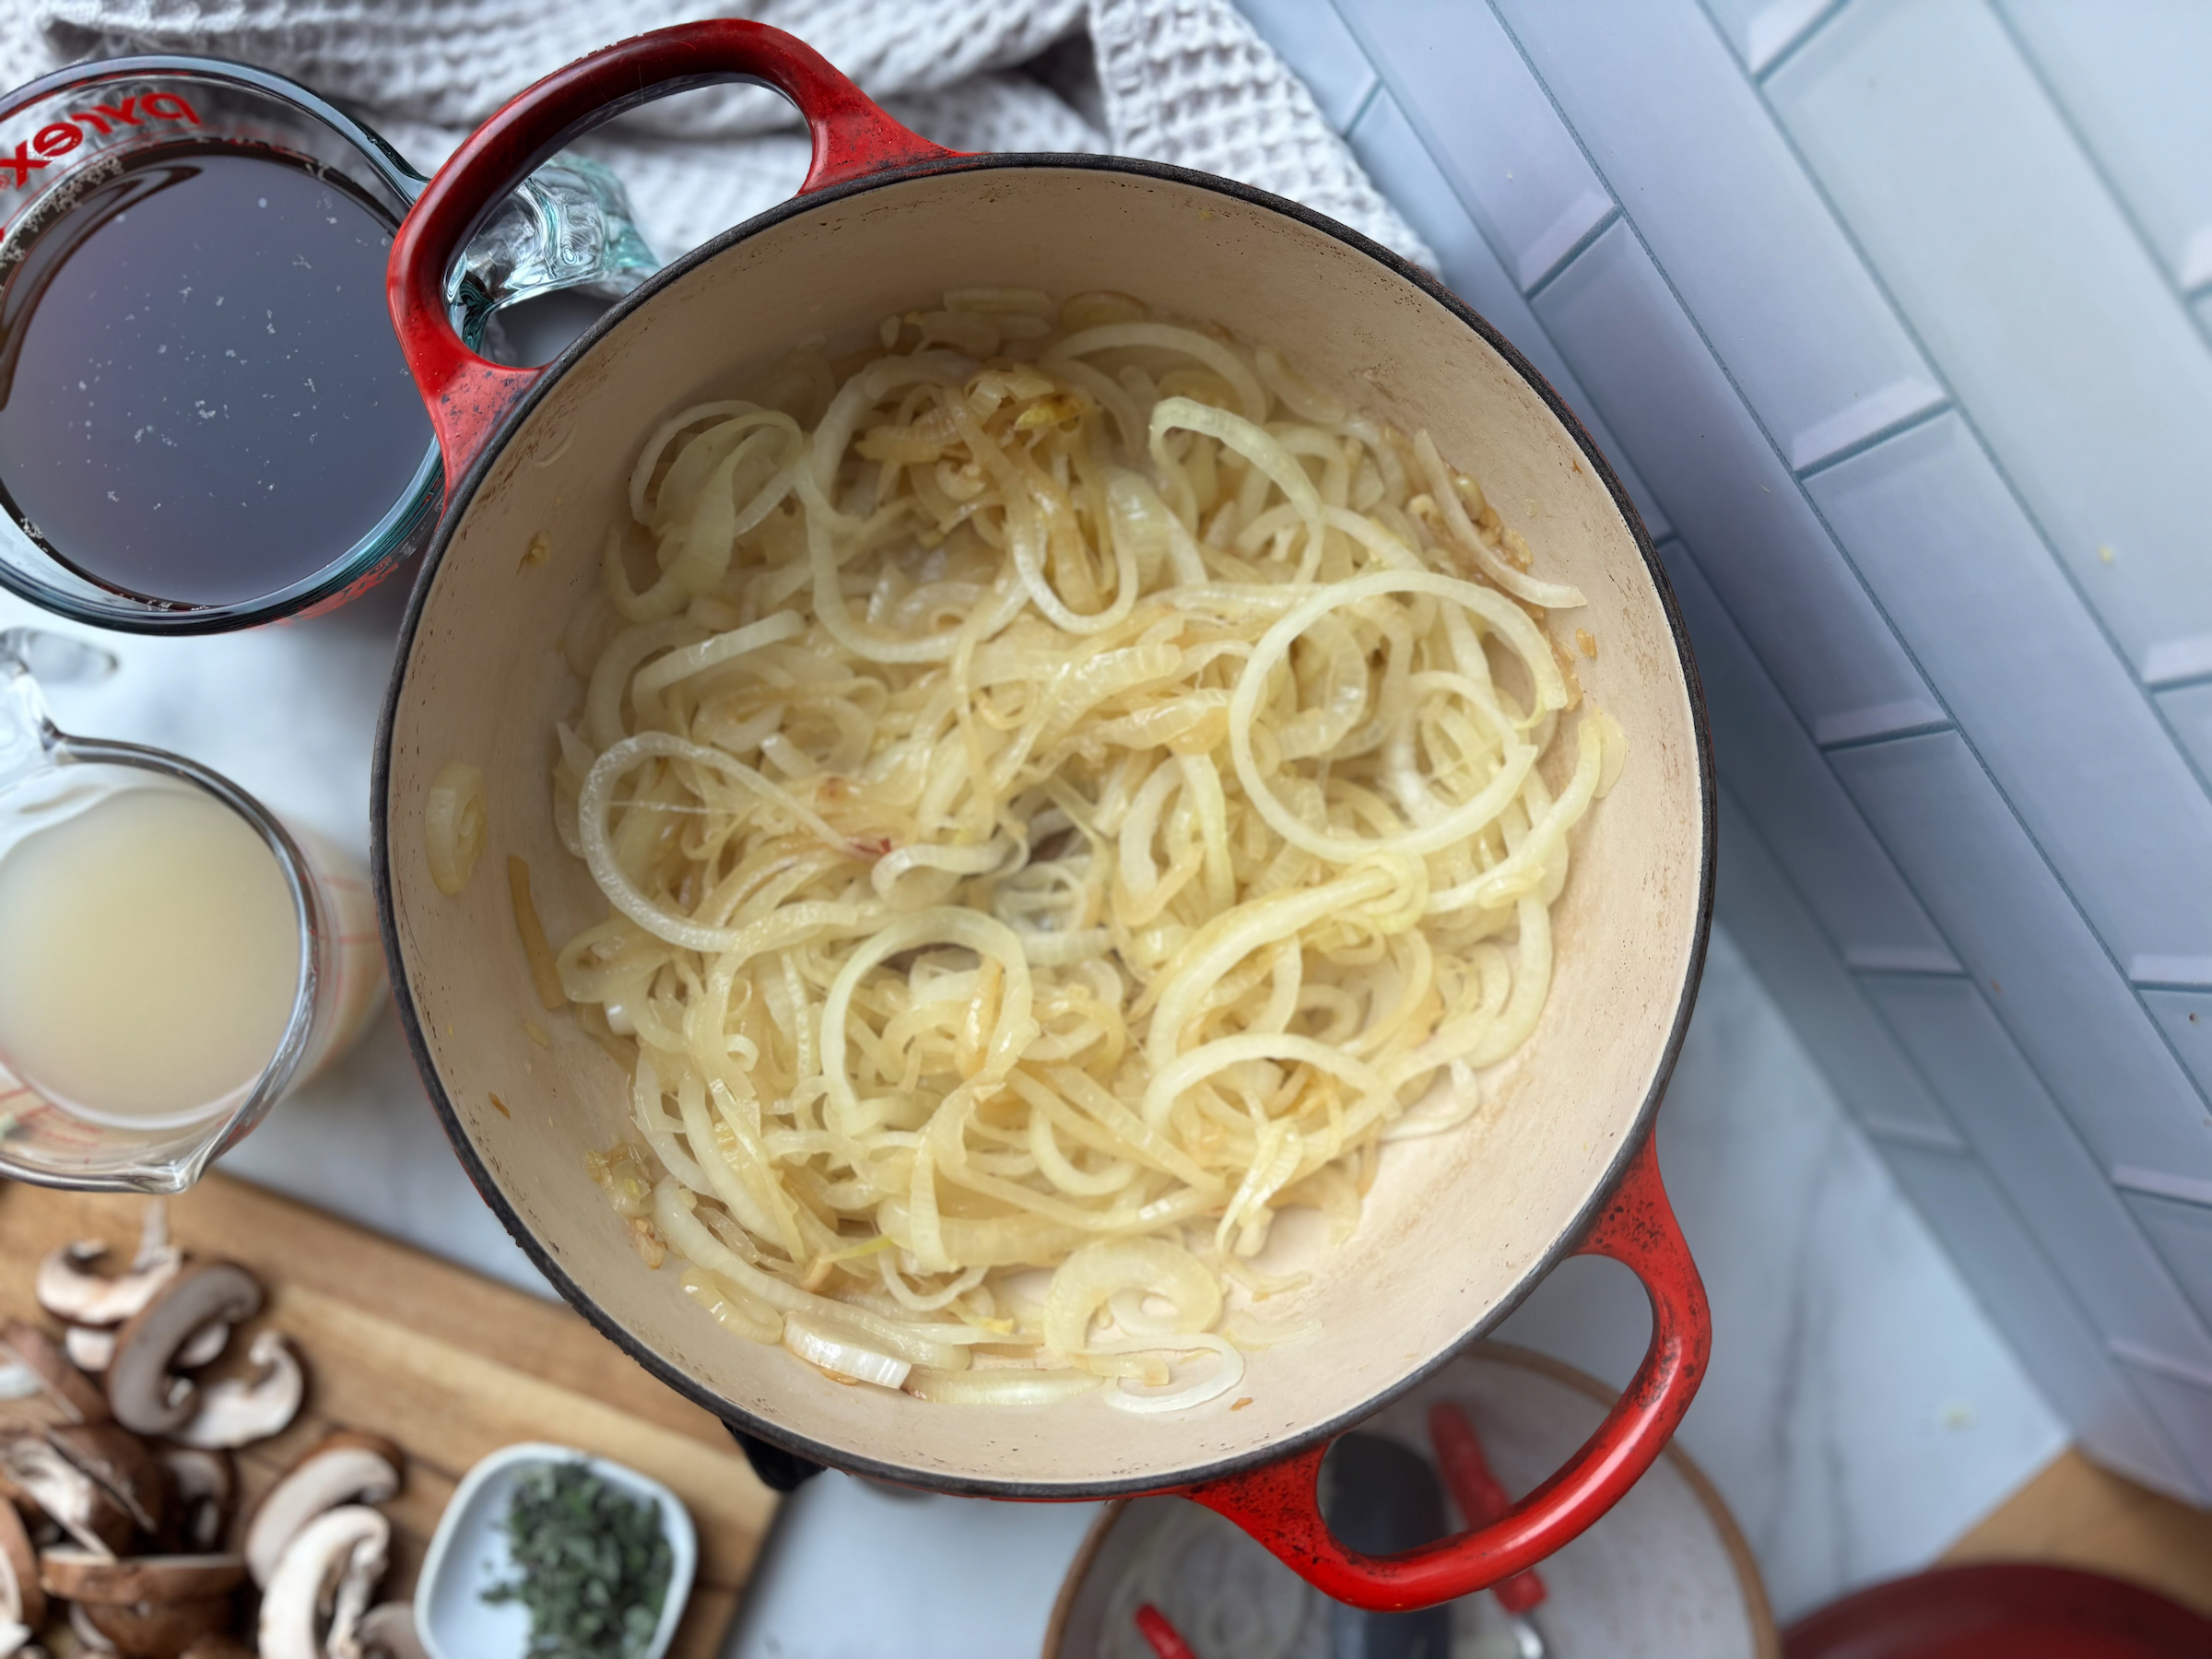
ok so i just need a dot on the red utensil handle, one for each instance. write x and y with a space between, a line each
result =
1480 1499
1280 1506
1165 1638
467 396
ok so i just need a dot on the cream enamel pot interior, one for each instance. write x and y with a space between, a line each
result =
1457 1228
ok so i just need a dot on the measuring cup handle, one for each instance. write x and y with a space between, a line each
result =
467 396
1279 1505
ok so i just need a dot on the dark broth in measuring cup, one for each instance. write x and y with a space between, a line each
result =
201 397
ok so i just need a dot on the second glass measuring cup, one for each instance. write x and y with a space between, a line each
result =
176 958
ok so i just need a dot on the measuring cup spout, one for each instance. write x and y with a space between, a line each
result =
27 736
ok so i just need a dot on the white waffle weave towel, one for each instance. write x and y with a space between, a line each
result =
1185 81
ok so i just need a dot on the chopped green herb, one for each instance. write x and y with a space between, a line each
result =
594 1565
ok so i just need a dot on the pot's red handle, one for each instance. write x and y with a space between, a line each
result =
1280 1506
466 394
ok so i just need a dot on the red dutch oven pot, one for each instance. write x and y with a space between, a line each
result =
1457 1228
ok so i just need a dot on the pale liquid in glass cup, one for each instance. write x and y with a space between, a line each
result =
149 958
173 957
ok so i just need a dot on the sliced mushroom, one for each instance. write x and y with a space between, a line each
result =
70 1286
91 1638
141 1390
22 1597
76 1394
92 1349
89 1347
387 1631
69 1497
203 1489
15 1639
79 1575
204 1346
336 1561
240 1410
120 1462
158 1630
344 1467
349 1606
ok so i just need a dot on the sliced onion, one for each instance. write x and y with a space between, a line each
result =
1007 1387
695 659
1088 1280
818 1346
1228 1370
453 825
731 1308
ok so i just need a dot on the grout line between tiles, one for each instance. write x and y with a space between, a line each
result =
1611 217
1813 25
2005 1195
1367 101
1996 462
1925 729
1960 1146
1966 418
2182 294
1876 439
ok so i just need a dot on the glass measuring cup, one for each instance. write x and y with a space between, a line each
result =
65 137
50 782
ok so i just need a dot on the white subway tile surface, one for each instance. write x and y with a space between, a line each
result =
2068 735
2018 1131
1730 216
1489 123
1873 209
2182 1232
1821 1001
2188 709
1402 167
1728 493
2182 1406
2186 1018
2032 293
2049 979
2025 1301
1310 37
2135 94
1786 787
1762 30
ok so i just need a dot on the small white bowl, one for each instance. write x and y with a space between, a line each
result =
468 1555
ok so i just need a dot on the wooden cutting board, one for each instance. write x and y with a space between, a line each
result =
449 1364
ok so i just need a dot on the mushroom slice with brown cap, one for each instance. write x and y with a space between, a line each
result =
76 1394
335 1563
22 1597
142 1391
79 1575
387 1631
240 1410
70 1286
79 1505
344 1467
92 1349
120 1462
203 1487
158 1630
